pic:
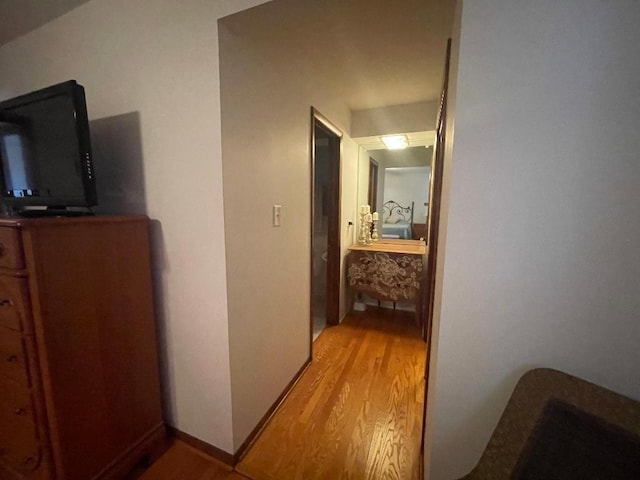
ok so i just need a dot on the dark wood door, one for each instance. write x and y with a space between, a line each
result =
435 201
323 131
372 196
434 223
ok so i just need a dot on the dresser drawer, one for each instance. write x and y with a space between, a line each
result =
15 403
10 248
23 456
13 358
17 425
15 311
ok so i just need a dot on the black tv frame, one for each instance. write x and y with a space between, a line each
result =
89 198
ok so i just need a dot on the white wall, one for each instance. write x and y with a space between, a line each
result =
150 70
542 264
406 185
267 91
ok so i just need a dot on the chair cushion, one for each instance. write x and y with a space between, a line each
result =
568 443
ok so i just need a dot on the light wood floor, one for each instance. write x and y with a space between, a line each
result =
356 413
182 462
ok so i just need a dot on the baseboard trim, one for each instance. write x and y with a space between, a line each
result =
233 459
211 450
143 453
267 416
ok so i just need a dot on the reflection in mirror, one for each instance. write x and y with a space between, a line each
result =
402 187
372 196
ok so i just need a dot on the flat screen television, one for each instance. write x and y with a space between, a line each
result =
45 150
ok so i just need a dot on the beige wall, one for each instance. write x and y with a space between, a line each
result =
542 264
363 180
349 207
150 71
267 94
412 117
410 157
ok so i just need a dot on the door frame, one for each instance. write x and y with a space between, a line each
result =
372 194
433 228
334 206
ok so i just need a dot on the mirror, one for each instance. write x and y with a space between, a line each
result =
396 183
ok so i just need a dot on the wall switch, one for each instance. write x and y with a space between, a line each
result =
277 215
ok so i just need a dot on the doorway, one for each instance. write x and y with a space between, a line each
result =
325 223
275 63
372 194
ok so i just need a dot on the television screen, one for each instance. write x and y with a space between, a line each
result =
45 149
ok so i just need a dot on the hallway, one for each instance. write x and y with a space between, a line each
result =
356 413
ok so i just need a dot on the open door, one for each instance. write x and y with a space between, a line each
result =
325 223
437 169
435 200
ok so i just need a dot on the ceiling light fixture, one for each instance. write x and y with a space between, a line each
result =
395 142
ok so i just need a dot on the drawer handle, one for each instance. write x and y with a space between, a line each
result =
12 358
5 302
29 461
3 249
20 411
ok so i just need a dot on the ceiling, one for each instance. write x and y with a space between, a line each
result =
18 17
381 52
415 139
384 52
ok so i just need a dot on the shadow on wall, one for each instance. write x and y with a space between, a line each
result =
159 265
118 162
117 157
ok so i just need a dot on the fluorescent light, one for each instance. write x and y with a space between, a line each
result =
395 142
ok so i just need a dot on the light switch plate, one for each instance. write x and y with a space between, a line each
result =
277 215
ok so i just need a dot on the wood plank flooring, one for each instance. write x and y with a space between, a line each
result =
356 413
183 462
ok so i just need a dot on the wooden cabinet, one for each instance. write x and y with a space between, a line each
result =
79 382
389 270
419 231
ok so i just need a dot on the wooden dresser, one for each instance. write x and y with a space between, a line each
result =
79 383
388 270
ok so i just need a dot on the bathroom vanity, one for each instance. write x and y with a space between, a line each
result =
388 270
